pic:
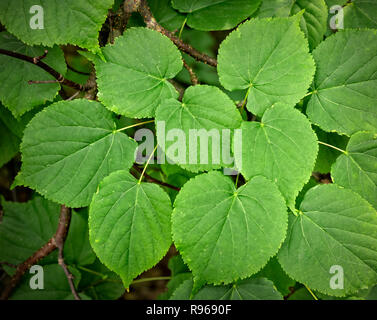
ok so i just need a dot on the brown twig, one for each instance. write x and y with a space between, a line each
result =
42 81
59 243
142 7
51 245
37 61
153 180
193 77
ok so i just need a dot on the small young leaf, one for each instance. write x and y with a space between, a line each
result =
210 15
357 169
282 147
134 78
69 147
331 246
129 225
223 233
345 85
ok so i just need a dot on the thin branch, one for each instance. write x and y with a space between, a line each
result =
42 81
153 180
193 77
51 245
37 61
59 243
142 7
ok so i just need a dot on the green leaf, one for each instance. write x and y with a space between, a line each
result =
55 284
314 19
282 147
133 81
76 22
100 283
277 275
69 147
15 92
360 14
335 227
357 169
26 227
183 289
9 142
202 107
248 289
129 225
224 233
77 249
210 15
166 15
327 155
270 58
345 85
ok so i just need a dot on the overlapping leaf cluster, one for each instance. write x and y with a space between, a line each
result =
304 91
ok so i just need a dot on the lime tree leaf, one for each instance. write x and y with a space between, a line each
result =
203 108
345 85
166 15
277 275
357 168
133 81
75 22
335 227
69 147
282 147
129 225
16 125
314 19
100 283
248 289
224 233
55 282
326 155
270 58
15 92
210 15
360 14
26 227
77 249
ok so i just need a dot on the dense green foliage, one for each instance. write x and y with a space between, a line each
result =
295 100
